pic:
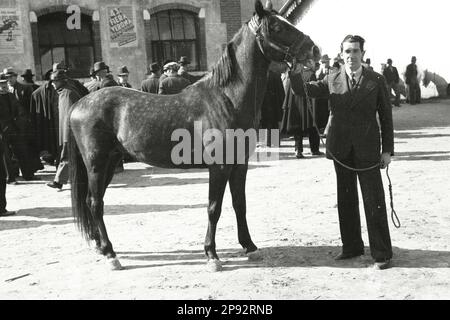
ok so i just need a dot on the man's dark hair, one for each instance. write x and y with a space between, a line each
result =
353 38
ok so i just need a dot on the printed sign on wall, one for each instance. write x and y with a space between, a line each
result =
11 37
122 27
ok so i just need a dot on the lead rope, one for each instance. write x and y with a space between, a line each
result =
394 217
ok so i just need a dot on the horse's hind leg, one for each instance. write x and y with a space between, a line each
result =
114 158
97 175
238 177
218 177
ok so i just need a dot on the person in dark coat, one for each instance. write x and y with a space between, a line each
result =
3 170
322 104
122 74
390 73
183 70
297 118
67 96
271 108
27 77
173 83
412 83
104 77
151 84
12 116
356 96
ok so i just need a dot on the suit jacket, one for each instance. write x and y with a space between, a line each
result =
23 93
391 75
151 85
353 115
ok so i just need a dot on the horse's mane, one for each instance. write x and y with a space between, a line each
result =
224 70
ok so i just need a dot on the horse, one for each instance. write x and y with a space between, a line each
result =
114 120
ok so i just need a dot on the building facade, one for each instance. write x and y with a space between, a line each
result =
35 34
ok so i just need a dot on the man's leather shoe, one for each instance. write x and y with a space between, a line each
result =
55 185
350 255
299 155
382 264
7 213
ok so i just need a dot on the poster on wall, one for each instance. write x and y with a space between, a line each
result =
122 27
11 37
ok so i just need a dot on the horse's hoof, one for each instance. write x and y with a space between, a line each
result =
214 265
255 256
114 263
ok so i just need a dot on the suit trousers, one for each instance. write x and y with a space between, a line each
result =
413 93
394 87
374 206
314 140
3 174
62 172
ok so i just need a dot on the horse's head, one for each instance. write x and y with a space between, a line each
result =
278 39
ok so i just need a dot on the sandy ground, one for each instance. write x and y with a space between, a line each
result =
156 220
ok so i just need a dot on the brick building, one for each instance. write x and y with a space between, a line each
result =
35 34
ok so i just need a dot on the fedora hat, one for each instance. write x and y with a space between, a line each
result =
154 67
123 71
184 60
58 75
3 78
9 72
59 66
98 66
27 73
325 58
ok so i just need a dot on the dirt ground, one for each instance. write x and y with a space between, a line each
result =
157 219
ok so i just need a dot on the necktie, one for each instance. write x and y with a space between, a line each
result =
353 81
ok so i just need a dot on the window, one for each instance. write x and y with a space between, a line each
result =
174 34
58 43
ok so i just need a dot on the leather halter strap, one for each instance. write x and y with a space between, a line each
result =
288 51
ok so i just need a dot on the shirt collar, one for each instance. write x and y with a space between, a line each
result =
357 72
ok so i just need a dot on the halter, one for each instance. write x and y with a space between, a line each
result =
288 51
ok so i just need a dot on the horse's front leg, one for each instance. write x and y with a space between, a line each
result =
238 177
218 177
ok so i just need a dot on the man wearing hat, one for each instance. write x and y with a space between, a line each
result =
122 74
5 98
63 67
392 78
27 77
21 91
151 84
173 83
12 118
104 78
183 71
67 96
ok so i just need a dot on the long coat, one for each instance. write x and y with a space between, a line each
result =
297 117
67 97
271 108
353 116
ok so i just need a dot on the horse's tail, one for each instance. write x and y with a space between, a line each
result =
79 188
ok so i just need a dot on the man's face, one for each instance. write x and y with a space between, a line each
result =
57 84
4 87
102 73
352 55
123 79
413 59
12 80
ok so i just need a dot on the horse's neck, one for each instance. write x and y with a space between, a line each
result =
247 88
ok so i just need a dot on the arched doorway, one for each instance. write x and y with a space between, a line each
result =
57 43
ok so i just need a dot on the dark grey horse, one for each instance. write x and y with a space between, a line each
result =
114 120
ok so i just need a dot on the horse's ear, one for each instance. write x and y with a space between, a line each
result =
259 9
269 6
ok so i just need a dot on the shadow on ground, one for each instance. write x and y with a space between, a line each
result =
288 256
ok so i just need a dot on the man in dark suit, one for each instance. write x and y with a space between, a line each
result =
151 84
356 96
104 77
122 74
412 83
392 80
